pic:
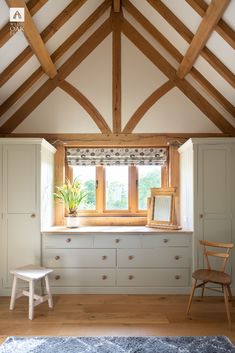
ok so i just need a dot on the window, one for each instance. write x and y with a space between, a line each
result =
121 190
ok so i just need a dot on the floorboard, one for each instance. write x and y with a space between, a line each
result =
127 315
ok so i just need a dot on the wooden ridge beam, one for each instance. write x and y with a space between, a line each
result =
155 57
75 59
46 34
116 70
87 105
200 6
35 40
55 56
116 5
146 105
33 6
158 36
203 33
168 15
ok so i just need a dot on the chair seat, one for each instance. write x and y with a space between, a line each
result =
31 272
212 276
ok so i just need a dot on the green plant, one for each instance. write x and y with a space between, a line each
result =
71 194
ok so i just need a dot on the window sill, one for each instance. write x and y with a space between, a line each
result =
112 221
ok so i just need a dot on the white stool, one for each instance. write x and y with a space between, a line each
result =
31 273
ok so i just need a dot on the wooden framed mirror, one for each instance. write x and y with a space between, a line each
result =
161 208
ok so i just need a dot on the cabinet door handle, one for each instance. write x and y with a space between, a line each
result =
117 240
177 276
165 240
177 257
104 277
57 277
131 257
130 277
104 257
68 240
201 215
57 257
33 215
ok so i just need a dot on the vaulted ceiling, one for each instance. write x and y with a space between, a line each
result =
190 43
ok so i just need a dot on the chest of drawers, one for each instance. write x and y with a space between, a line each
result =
118 263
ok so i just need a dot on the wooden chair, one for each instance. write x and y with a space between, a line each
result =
212 276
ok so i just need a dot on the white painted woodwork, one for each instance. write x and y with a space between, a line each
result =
207 192
26 203
117 262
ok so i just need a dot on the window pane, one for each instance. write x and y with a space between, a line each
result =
87 177
116 187
149 176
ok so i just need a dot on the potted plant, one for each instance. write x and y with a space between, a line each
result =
72 195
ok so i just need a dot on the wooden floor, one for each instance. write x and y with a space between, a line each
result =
127 315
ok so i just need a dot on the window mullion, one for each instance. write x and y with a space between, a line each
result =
133 189
100 187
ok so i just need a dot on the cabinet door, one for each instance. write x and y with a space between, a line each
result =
213 214
19 182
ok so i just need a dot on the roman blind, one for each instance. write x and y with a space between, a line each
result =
117 156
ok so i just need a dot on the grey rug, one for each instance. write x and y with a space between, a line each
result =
150 344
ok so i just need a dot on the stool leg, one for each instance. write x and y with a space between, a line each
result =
13 293
31 299
50 301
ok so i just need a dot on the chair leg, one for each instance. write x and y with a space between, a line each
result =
31 299
203 290
13 293
230 295
50 301
191 296
225 290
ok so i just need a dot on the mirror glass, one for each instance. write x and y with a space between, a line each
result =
162 208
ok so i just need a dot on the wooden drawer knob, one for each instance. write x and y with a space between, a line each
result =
57 277
177 276
104 277
131 257
177 257
57 257
165 240
130 277
117 240
68 240
104 257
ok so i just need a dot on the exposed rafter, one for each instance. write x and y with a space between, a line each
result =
158 36
116 5
200 6
206 27
48 87
87 105
46 34
174 21
35 40
33 6
183 85
55 56
146 105
116 54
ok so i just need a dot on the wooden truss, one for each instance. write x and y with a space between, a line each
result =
116 25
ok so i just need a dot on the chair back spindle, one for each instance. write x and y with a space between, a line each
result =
222 255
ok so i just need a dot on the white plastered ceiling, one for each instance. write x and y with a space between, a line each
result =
59 113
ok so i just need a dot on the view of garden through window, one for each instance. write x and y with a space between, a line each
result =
117 185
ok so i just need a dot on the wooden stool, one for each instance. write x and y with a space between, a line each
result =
31 273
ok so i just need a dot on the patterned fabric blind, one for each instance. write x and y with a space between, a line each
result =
117 156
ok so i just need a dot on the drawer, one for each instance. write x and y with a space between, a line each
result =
83 277
117 241
160 257
79 258
173 239
67 241
153 277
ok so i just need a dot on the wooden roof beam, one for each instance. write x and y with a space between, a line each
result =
206 27
116 5
35 40
33 7
200 6
175 22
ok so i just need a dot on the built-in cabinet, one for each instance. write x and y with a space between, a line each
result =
26 203
207 192
118 263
